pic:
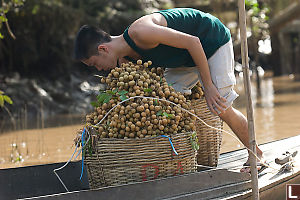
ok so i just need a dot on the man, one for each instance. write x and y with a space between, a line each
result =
191 44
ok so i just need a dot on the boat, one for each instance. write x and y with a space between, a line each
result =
224 182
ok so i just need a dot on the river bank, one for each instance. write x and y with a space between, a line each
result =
40 103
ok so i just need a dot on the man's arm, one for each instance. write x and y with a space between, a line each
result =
147 34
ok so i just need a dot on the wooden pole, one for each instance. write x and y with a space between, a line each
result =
245 63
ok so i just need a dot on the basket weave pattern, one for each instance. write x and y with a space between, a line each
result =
122 161
209 139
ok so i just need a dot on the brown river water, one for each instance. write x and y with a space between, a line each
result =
276 113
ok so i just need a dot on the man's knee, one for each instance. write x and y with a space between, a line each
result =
233 116
226 113
230 114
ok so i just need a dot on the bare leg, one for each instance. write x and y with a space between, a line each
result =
239 125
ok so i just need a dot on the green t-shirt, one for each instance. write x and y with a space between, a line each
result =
210 30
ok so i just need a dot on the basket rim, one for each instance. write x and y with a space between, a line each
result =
143 139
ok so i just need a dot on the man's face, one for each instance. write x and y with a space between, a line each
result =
101 62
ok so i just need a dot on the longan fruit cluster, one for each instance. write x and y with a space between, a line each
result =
197 92
141 117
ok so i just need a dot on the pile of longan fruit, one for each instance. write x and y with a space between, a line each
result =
197 92
140 117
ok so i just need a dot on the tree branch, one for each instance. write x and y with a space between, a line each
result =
11 117
7 25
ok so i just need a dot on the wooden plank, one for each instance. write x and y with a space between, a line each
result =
40 180
235 159
271 183
203 185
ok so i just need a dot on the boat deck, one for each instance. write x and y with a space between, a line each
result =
225 182
271 182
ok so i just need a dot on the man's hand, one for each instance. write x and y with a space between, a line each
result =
214 99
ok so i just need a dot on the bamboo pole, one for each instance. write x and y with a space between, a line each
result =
245 63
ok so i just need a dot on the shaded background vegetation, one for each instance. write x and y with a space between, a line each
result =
45 31
37 69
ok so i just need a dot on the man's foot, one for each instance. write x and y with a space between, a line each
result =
261 165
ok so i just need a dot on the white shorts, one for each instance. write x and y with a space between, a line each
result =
221 65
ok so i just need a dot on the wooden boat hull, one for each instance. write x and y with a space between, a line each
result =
39 182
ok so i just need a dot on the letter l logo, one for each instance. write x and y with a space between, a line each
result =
290 193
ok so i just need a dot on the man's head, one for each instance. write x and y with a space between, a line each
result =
91 47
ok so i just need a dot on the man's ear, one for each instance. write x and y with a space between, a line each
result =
102 47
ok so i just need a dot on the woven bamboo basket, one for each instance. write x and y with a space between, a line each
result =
209 139
121 161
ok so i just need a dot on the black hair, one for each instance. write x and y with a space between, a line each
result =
87 40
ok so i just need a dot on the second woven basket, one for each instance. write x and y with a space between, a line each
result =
209 139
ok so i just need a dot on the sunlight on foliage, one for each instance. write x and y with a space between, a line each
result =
6 6
4 98
259 13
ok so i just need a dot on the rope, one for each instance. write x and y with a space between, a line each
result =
96 126
202 121
170 140
60 168
82 159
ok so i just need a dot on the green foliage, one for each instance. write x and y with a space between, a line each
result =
90 147
87 148
171 116
45 31
4 98
161 113
106 96
194 141
147 90
259 13
252 4
258 8
5 8
44 39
